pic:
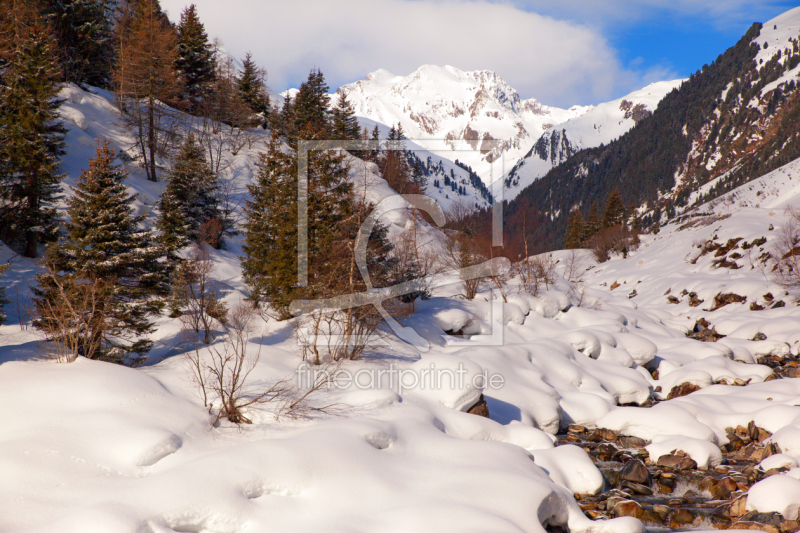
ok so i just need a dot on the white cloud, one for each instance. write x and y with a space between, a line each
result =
557 61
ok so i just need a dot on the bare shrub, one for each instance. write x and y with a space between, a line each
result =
613 240
574 267
221 372
786 271
196 295
74 319
460 252
537 271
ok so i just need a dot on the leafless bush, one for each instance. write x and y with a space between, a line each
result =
614 240
74 318
786 271
574 267
221 372
537 271
335 335
196 295
460 253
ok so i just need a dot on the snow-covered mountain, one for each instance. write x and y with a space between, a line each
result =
600 125
464 111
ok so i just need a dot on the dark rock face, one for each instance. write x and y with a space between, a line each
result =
635 471
480 408
682 390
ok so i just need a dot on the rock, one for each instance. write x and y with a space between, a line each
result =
789 526
720 521
675 502
682 390
681 517
752 431
612 501
735 443
779 303
611 477
661 510
627 508
673 300
636 472
480 408
631 442
606 451
721 300
772 377
668 479
723 488
613 286
574 428
636 488
676 462
763 434
759 336
594 515
602 434
649 515
754 526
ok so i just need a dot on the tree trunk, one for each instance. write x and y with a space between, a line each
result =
151 140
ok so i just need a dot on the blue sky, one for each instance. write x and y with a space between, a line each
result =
562 52
684 42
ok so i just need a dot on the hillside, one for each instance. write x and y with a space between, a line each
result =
732 121
600 125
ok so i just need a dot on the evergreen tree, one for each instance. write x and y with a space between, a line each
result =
283 122
105 245
31 139
344 122
614 214
174 230
270 262
84 32
311 115
193 189
593 223
575 230
253 90
195 62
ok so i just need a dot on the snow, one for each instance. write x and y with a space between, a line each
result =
780 494
442 105
776 34
599 125
91 446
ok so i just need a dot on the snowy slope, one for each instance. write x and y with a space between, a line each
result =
94 447
600 125
775 34
465 111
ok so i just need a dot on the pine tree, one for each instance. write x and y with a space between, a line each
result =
174 230
311 105
105 245
270 262
84 32
31 139
145 80
195 62
593 223
253 90
193 188
614 214
344 122
575 230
